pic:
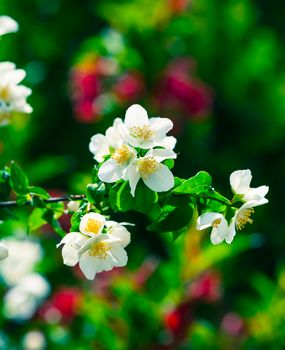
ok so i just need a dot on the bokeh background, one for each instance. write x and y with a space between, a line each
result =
216 68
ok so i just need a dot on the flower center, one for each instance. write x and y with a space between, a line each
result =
143 132
148 166
243 217
99 249
93 225
122 155
216 222
5 93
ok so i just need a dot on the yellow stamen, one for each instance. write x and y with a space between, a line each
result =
122 155
148 166
93 226
216 222
5 93
243 217
143 132
100 250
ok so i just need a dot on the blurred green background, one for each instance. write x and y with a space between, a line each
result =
216 68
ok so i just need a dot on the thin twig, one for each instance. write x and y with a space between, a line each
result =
72 197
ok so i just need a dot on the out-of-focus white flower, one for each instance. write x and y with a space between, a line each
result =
93 250
34 340
13 97
22 301
7 25
3 251
219 224
73 206
149 168
240 183
23 255
102 145
147 133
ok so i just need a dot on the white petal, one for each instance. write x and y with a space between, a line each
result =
119 231
119 255
231 232
98 218
205 220
6 66
7 25
167 142
3 251
161 154
88 265
220 232
256 194
161 180
240 181
13 77
133 175
99 147
70 255
75 238
110 171
160 126
136 115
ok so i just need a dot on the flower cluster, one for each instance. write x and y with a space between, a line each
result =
12 95
135 149
222 229
99 246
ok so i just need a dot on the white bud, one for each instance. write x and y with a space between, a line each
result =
73 206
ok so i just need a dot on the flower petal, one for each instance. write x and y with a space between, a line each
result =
231 232
240 181
92 224
119 231
160 126
133 175
88 265
99 147
7 25
205 220
3 251
257 194
220 232
161 154
161 180
119 255
136 115
110 171
70 255
167 142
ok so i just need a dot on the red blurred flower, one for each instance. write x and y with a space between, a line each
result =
178 6
233 324
129 87
63 306
181 93
206 288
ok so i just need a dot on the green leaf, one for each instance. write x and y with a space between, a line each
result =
39 191
176 215
95 193
143 201
169 163
198 184
48 216
36 219
19 181
215 202
76 217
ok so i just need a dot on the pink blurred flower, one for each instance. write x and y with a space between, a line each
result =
129 87
233 324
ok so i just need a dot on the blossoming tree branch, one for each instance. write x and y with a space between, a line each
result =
132 171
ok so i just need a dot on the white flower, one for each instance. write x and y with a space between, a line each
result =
12 96
101 253
149 168
34 340
7 25
115 168
92 224
22 301
220 228
93 250
102 145
243 216
3 251
240 184
73 206
23 255
147 133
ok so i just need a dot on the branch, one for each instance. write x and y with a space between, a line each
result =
72 197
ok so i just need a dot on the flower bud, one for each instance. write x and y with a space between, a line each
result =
73 206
